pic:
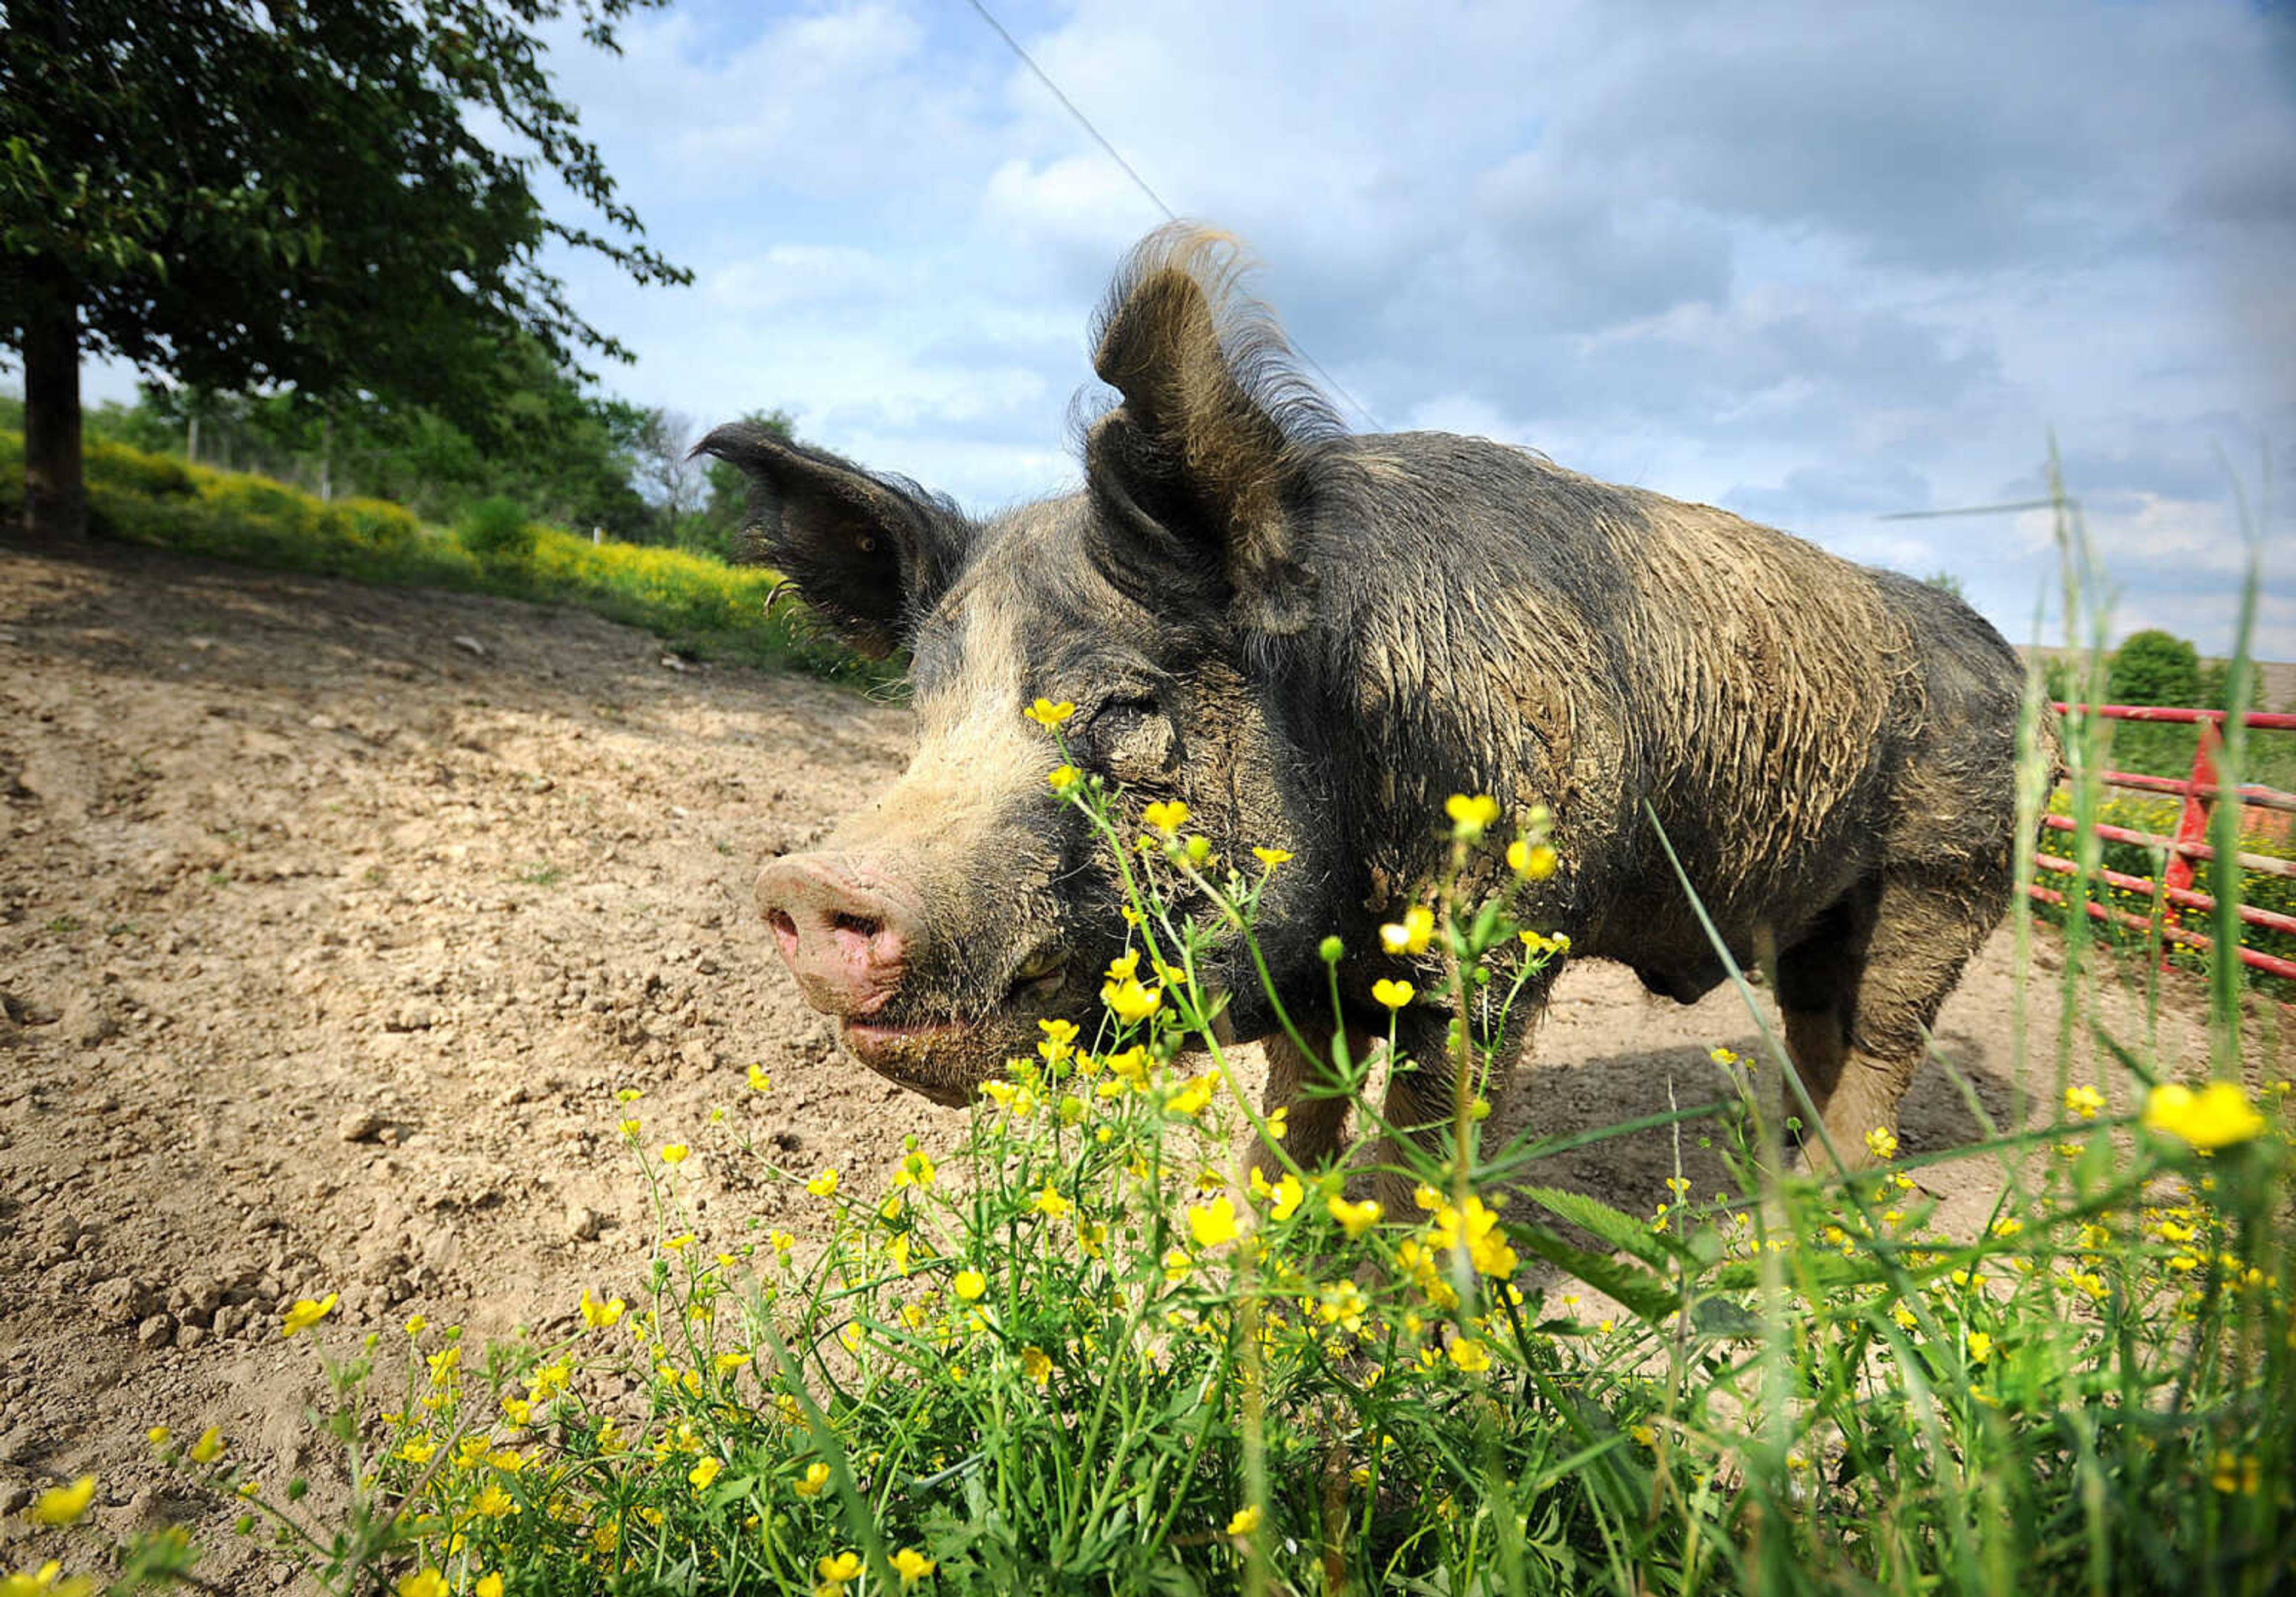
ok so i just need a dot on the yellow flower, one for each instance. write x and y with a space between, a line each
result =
1063 777
63 1505
1244 1520
1271 857
1470 1355
1193 1096
1132 1002
1289 1195
911 1565
1471 817
844 1567
1395 994
823 1185
2217 1116
1412 934
1167 816
1038 1364
1212 1224
1881 1142
1048 715
1050 1204
1177 1263
629 1129
1905 1317
424 1583
674 1153
1478 1228
416 1324
488 1585
1980 1348
306 1314
760 1082
810 1483
158 1435
1357 1217
493 1502
2084 1102
1533 861
682 1241
705 1472
970 1286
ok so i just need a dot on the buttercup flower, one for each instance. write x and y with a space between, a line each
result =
911 1565
1533 861
760 1082
63 1505
1357 1217
1271 857
1410 935
2217 1116
970 1286
1244 1521
1881 1142
1167 816
1037 1365
1470 1355
823 1185
1131 1002
1048 715
1212 1224
1471 817
1395 994
810 1483
307 1313
2084 1102
674 1153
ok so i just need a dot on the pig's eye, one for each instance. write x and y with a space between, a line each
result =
1132 738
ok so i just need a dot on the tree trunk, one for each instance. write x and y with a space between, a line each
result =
55 492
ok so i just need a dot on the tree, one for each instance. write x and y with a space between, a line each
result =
2153 668
667 467
291 194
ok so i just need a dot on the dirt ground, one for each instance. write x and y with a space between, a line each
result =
333 919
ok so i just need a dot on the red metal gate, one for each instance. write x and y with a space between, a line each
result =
2200 792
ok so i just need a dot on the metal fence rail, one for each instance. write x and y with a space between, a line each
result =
2200 792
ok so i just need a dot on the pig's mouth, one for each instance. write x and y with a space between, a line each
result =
931 1055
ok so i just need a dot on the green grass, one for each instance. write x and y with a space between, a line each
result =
697 605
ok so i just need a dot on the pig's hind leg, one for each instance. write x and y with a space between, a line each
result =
1860 991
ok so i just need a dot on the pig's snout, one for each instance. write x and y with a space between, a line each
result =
845 934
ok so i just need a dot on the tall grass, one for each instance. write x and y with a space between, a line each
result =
1075 1351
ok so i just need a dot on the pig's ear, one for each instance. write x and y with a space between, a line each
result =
1205 463
871 553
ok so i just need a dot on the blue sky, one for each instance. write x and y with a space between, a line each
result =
1813 262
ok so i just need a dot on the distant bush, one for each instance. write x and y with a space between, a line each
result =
497 531
376 524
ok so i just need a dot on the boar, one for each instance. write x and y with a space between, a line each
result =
1312 638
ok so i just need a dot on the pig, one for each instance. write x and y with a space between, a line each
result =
1312 638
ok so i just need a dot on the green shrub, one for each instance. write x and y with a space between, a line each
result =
376 524
497 532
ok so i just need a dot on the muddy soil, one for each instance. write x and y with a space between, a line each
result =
334 919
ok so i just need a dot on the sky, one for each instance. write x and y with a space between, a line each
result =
1819 264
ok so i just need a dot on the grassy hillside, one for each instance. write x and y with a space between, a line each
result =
697 605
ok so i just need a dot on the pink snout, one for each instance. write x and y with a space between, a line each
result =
845 932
